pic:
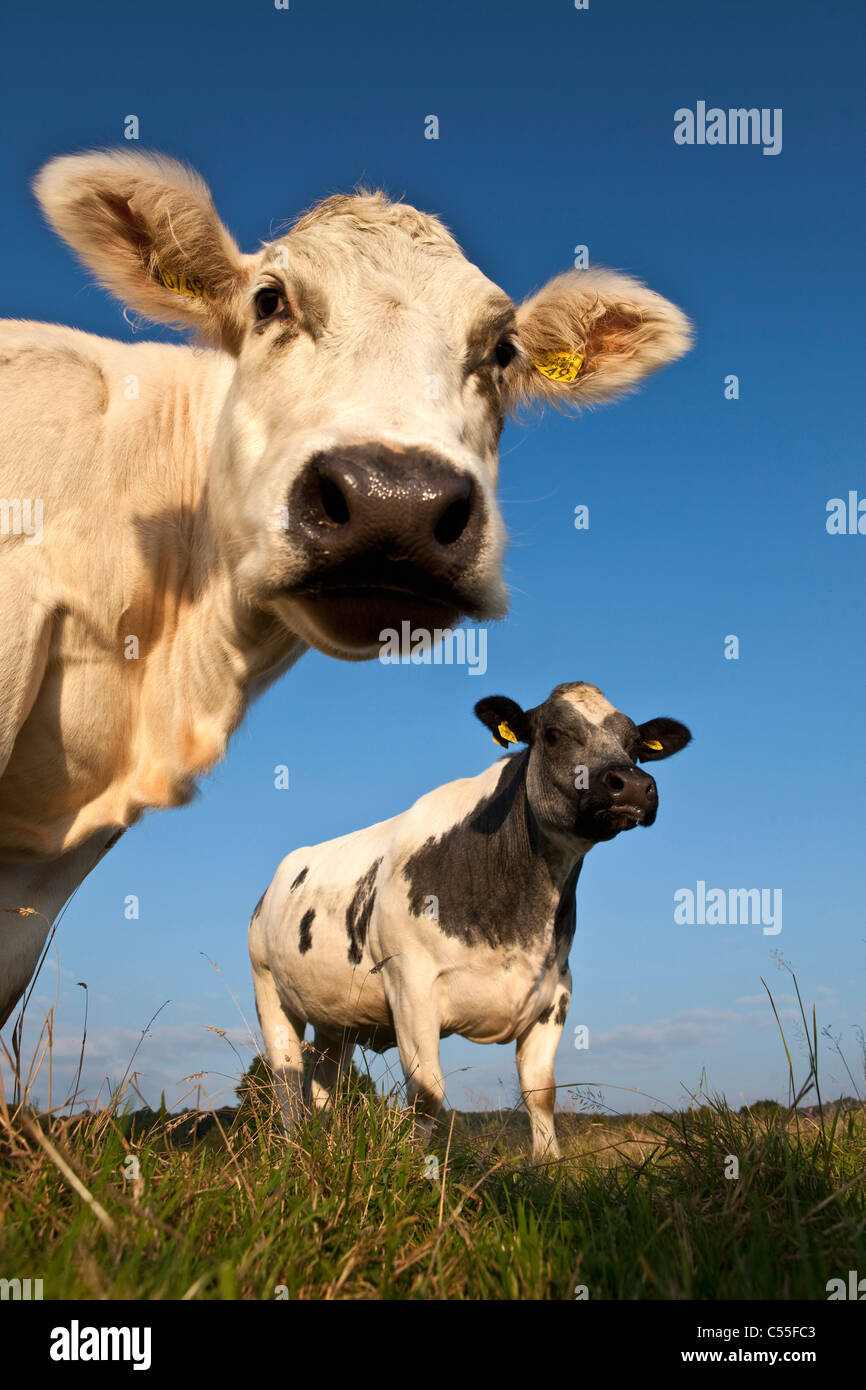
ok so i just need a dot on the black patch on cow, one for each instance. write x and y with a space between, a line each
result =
562 1010
305 939
544 1016
359 911
299 880
489 871
565 921
258 907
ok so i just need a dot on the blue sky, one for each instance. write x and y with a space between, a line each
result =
707 515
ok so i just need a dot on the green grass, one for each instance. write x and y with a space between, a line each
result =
223 1206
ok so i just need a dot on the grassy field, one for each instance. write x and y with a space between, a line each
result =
221 1205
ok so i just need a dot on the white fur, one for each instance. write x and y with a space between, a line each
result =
162 472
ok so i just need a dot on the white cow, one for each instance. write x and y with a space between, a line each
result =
458 915
178 525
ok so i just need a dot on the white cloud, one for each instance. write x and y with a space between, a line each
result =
689 1028
167 1054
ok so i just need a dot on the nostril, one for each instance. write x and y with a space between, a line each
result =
334 504
454 520
614 781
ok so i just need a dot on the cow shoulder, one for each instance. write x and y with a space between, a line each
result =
472 863
53 395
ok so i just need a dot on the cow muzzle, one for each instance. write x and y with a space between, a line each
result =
630 799
386 536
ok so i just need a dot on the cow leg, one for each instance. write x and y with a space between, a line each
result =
333 1055
418 1033
283 1034
536 1049
31 896
22 939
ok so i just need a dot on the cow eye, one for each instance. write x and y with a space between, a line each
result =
505 352
268 302
552 737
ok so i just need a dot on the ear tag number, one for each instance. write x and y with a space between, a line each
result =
181 284
560 366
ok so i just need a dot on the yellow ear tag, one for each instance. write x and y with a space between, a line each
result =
505 732
181 284
560 366
654 744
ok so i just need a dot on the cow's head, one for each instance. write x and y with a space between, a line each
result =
582 778
353 475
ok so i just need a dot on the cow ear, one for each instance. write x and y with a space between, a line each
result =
147 229
505 720
589 336
659 738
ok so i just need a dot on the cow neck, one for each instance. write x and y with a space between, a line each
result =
542 871
496 877
189 560
207 657
523 840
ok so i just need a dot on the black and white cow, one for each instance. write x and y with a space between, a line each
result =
456 916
